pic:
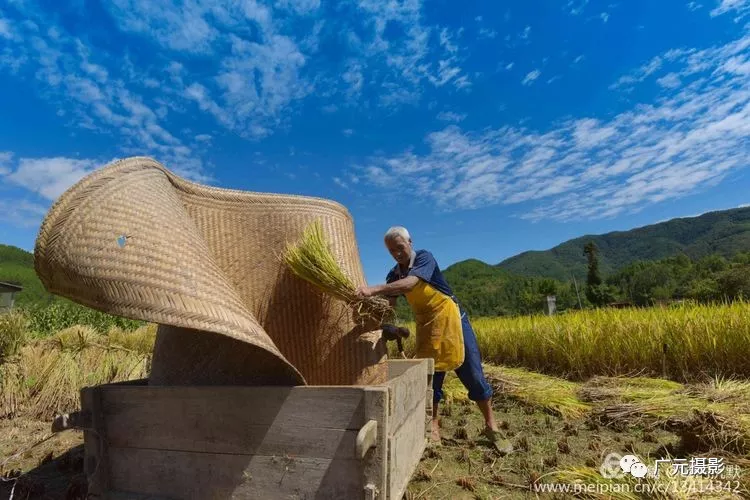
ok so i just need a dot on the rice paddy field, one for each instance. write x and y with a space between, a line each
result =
661 383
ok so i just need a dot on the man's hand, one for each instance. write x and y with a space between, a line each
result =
365 291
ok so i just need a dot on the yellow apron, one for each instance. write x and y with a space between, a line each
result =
439 333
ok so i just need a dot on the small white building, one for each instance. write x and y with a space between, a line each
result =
550 305
8 293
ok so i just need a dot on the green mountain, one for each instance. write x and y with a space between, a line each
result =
724 233
17 266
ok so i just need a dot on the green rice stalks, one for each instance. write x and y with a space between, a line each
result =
552 394
311 259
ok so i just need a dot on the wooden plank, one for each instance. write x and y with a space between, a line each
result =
95 462
177 474
225 433
340 408
375 463
405 449
406 391
397 367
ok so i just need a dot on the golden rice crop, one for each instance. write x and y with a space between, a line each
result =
311 259
687 343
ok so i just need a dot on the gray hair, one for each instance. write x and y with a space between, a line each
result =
397 231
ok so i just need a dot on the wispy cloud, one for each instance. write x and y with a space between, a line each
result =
670 81
100 99
22 213
450 116
604 16
348 132
48 177
690 138
693 6
575 7
530 77
735 6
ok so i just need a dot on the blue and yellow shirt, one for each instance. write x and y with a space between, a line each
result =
436 312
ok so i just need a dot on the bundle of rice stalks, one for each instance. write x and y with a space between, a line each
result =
47 375
75 338
702 424
56 388
723 390
708 430
643 401
140 341
12 389
311 259
14 332
552 394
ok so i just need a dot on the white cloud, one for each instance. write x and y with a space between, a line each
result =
348 132
554 79
640 74
526 32
450 116
531 76
688 139
740 6
670 81
50 177
340 182
97 98
203 138
579 59
693 6
22 213
5 158
509 66
575 7
604 17
5 29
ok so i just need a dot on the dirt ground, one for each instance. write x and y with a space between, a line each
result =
463 466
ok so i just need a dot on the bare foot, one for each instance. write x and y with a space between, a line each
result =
435 434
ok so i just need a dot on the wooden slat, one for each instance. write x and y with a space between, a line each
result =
405 448
376 461
406 391
177 474
95 445
304 406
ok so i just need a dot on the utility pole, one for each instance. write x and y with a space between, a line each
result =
580 306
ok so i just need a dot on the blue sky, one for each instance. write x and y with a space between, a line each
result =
486 128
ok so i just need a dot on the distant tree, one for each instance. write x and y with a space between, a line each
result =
594 278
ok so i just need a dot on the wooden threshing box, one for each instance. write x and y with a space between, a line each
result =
322 442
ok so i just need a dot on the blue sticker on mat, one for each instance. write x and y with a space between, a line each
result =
121 240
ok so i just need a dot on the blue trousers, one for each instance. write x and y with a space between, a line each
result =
470 372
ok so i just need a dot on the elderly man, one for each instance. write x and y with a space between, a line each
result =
443 330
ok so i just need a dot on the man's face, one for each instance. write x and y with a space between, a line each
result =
400 249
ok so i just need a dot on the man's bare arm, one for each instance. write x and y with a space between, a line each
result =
393 289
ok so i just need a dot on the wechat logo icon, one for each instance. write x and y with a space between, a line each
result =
616 466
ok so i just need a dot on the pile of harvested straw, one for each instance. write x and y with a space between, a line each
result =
705 416
311 259
552 394
47 375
